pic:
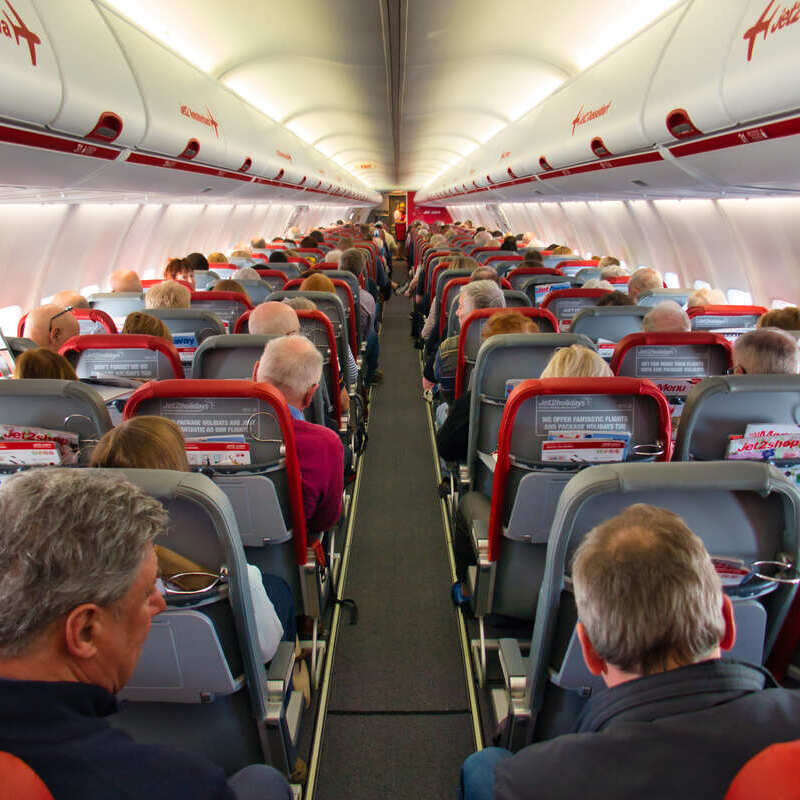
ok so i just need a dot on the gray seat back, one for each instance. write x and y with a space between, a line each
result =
56 405
719 407
740 510
608 322
516 298
204 279
652 297
229 356
227 311
258 291
189 320
443 278
332 307
502 358
206 658
537 287
585 274
118 304
138 363
287 268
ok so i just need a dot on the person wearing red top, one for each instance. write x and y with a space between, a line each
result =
293 365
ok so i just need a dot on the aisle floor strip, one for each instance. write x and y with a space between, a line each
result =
319 725
477 730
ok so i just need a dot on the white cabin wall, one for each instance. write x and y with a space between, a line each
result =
74 246
747 244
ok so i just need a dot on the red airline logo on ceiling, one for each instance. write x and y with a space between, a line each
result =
789 15
283 155
19 29
582 119
209 120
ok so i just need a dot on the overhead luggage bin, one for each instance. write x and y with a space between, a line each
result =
188 114
685 100
31 88
598 115
101 101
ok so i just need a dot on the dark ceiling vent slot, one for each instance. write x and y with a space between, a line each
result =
191 150
544 163
680 125
599 148
538 191
107 128
302 181
246 164
490 181
511 174
278 176
207 189
640 183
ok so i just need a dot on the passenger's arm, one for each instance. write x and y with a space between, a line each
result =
268 625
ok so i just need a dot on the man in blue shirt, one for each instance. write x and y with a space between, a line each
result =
77 594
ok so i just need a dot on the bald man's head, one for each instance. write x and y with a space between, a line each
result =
69 298
50 326
643 279
273 318
125 280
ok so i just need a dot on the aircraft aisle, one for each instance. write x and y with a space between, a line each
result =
398 720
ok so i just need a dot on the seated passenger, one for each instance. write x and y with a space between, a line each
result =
430 330
73 620
765 351
352 260
510 244
615 298
333 256
50 326
451 440
482 239
532 258
598 283
442 368
149 442
178 270
576 361
561 250
278 257
217 258
273 319
124 280
300 303
666 317
317 282
245 274
787 319
258 243
43 363
644 279
146 325
168 294
294 367
607 261
196 261
675 721
612 271
706 297
228 285
69 298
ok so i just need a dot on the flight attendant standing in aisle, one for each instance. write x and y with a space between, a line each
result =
400 222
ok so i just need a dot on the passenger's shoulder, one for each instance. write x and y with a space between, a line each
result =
323 436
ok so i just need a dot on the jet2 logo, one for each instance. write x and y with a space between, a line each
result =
582 119
788 15
18 28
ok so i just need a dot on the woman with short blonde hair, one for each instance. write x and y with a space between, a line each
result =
43 363
576 361
146 325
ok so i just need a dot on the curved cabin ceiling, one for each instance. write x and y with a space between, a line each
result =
394 91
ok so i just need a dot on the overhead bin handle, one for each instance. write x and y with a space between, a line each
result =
599 148
511 174
680 125
107 128
191 150
278 176
544 163
246 164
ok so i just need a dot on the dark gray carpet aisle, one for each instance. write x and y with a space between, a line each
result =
398 720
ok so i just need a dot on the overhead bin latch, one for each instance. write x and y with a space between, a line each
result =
107 128
191 150
246 164
599 148
544 163
680 125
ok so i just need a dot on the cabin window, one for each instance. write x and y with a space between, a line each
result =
738 297
89 290
150 273
9 319
701 285
776 303
672 280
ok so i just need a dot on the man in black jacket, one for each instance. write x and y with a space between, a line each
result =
77 593
675 721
